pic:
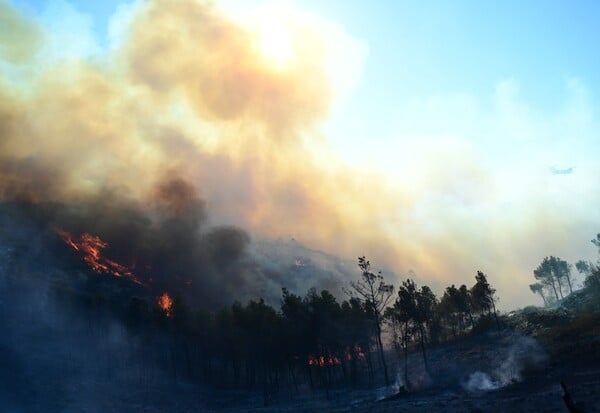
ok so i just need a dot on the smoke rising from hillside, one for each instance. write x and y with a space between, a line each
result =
187 92
188 99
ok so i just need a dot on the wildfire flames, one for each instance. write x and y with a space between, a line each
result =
323 361
90 247
165 302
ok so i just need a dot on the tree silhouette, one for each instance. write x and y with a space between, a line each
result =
584 267
426 303
375 294
406 308
596 241
538 288
551 272
545 275
413 310
484 295
592 280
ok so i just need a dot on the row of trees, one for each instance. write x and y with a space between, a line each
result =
554 280
418 317
312 341
316 341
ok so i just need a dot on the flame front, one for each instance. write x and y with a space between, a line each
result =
324 361
332 360
165 302
90 247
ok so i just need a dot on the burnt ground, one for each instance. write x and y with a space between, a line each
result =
577 362
53 359
54 362
534 386
59 385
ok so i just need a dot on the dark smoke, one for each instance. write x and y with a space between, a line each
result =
28 179
167 243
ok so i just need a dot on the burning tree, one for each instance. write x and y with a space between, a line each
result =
323 337
166 304
375 294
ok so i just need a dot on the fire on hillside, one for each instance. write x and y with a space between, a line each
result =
165 302
90 248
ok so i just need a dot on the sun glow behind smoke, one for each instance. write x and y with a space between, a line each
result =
236 104
274 38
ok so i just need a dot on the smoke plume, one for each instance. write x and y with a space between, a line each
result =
525 353
181 135
186 93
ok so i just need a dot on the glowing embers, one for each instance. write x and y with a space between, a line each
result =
324 361
165 302
90 247
331 360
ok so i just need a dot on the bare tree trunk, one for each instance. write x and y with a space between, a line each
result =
381 355
568 277
554 288
369 363
495 313
471 318
422 340
405 341
543 298
453 325
293 376
265 386
559 288
353 367
310 378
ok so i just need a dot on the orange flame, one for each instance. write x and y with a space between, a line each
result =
91 246
324 361
166 304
